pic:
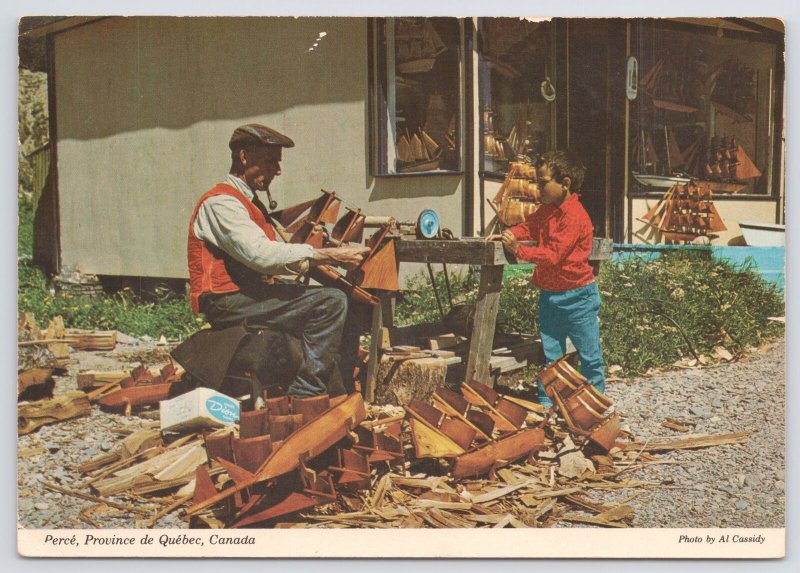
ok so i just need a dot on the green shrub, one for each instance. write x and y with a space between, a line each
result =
25 229
657 311
653 312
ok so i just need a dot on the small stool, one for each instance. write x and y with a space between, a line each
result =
240 359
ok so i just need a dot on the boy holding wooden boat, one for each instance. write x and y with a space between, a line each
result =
557 238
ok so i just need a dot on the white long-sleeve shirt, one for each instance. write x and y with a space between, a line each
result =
225 223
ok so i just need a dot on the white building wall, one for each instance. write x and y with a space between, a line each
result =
145 107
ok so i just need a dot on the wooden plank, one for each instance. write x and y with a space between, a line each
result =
35 414
173 506
87 497
387 309
435 504
501 492
413 334
374 351
460 251
480 347
689 442
443 341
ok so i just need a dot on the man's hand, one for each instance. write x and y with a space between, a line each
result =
345 257
510 243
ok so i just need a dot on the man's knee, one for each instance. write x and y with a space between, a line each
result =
334 301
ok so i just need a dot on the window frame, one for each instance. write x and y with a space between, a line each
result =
381 102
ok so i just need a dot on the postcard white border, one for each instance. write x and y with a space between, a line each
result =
371 543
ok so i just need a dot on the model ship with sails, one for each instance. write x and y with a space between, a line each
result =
685 213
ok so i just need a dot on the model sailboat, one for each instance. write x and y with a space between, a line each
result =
722 164
685 213
519 195
665 86
417 152
418 45
306 223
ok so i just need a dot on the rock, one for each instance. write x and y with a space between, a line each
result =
25 504
700 412
41 505
126 339
106 446
717 403
741 505
751 480
572 463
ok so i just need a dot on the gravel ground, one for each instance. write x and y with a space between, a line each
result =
738 485
724 486
76 441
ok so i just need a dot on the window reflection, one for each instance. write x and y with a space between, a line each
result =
517 93
424 110
703 111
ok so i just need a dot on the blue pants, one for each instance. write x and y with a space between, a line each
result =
572 314
316 315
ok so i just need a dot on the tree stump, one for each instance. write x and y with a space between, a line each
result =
399 379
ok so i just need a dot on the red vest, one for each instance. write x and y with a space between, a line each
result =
210 267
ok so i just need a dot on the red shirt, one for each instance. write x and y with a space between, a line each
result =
564 235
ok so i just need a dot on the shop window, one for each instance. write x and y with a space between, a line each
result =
704 110
417 105
518 95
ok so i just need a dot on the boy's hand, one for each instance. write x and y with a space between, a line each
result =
510 243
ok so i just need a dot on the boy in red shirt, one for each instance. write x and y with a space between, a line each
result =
562 232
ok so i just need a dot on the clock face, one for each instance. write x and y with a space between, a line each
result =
428 224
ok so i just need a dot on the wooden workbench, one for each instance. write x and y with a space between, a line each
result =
491 258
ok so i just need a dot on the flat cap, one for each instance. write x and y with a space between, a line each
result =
257 134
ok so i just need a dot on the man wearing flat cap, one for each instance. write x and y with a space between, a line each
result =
234 259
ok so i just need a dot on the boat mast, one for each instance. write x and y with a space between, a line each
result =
666 146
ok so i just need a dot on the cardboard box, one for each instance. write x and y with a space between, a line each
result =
200 408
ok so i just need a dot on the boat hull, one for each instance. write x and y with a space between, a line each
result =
659 181
763 234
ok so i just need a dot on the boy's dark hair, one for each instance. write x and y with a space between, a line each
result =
564 163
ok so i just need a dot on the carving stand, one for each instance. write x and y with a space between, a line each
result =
489 255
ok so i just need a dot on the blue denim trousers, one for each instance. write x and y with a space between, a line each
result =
572 314
315 315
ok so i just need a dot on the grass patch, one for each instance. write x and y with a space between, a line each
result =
123 311
653 312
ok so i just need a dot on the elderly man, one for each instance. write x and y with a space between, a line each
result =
234 261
